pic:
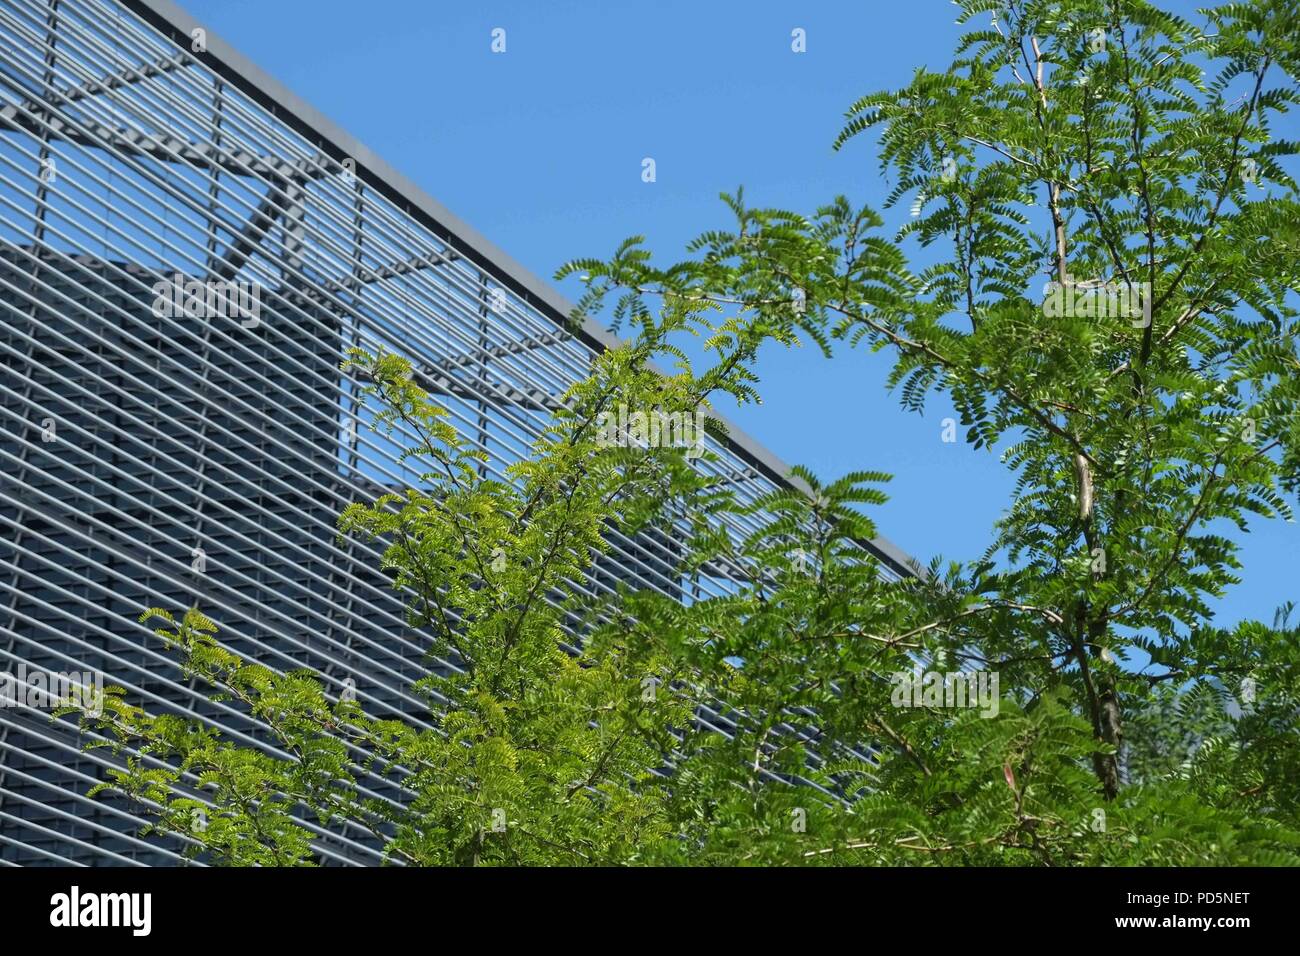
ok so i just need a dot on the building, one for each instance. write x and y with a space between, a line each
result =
149 456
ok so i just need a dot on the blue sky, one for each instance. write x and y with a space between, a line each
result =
540 148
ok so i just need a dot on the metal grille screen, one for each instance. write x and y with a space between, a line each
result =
149 457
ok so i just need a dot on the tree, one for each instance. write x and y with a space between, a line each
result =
539 756
1147 398
1147 401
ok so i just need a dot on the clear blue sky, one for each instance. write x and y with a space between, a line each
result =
540 149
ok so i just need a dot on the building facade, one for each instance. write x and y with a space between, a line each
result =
186 252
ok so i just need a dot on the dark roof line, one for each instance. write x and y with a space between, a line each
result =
234 67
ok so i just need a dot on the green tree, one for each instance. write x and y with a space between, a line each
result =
1146 401
538 756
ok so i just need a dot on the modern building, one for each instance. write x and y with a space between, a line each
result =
152 457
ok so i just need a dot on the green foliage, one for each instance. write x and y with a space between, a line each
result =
535 756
